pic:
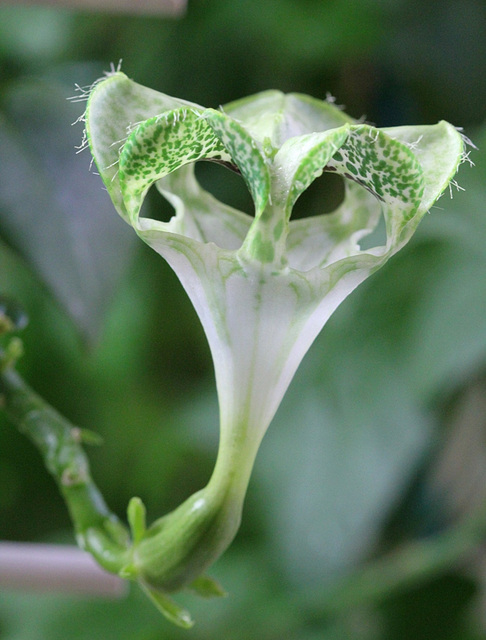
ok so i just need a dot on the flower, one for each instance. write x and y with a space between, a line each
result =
263 285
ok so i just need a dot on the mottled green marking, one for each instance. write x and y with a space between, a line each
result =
245 154
382 165
161 145
301 160
263 249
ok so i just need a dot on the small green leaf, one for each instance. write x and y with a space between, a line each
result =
136 513
170 609
13 351
129 571
87 436
207 587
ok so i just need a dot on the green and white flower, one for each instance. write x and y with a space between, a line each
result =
263 285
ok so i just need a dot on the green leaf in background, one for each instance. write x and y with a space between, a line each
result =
33 33
360 435
53 210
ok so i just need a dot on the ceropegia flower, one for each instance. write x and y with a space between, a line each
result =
263 285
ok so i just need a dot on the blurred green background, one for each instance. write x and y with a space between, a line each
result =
381 438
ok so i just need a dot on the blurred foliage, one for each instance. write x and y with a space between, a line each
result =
345 472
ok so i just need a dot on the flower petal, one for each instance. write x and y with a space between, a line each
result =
439 150
161 145
278 116
115 104
317 241
386 175
389 170
245 154
301 160
382 165
199 215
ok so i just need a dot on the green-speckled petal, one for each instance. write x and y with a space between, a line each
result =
438 148
388 169
245 154
116 104
161 145
301 160
384 166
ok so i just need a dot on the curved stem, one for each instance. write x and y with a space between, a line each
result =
98 530
178 547
181 545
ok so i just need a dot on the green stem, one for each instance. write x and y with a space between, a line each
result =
180 546
98 530
266 238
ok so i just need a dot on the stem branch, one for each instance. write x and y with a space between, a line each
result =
98 530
